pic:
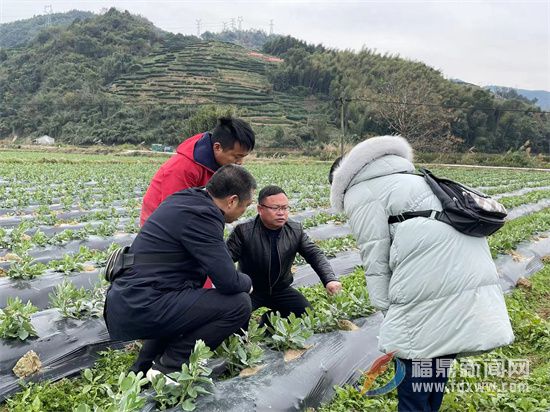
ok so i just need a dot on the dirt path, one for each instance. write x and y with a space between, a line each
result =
487 167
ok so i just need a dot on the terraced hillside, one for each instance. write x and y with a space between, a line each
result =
214 73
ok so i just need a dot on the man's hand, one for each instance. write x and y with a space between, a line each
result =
333 287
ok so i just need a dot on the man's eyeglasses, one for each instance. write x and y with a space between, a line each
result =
277 208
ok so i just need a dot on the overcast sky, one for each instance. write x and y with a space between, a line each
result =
506 43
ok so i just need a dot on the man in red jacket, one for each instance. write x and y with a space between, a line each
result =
196 160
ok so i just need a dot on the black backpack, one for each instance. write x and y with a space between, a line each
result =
467 210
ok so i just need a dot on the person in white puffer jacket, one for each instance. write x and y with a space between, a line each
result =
438 288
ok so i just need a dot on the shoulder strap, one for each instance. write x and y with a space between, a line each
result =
432 214
412 173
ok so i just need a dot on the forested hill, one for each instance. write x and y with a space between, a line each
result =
21 32
540 98
385 93
116 78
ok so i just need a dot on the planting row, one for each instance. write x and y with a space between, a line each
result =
334 359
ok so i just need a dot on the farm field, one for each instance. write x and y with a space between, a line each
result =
61 214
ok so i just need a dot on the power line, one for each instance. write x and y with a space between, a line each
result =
444 106
340 100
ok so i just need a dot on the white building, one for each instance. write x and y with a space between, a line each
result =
45 140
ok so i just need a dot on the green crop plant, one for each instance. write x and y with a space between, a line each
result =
16 239
97 257
331 247
15 320
67 203
242 351
287 333
320 320
66 236
191 382
39 238
66 265
531 197
351 303
518 230
124 398
131 227
25 269
106 229
4 239
45 216
77 303
323 218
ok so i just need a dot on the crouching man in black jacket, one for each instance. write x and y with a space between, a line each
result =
265 248
162 300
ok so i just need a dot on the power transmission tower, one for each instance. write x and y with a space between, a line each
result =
240 22
198 27
270 27
48 11
232 23
224 26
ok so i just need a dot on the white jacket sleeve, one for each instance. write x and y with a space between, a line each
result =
369 223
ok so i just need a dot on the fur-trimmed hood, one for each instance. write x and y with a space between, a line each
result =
360 156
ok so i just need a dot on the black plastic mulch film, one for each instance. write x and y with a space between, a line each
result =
66 346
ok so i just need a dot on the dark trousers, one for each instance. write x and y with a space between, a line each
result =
423 387
212 318
285 301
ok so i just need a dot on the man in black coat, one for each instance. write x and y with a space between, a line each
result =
265 248
164 302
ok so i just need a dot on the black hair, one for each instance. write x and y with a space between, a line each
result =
269 191
231 180
333 168
230 130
